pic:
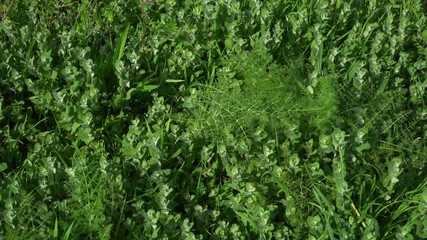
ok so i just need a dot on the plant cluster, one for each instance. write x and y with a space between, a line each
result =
253 93
203 119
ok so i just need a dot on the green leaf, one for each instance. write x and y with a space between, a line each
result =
326 209
174 80
120 47
74 127
424 35
353 68
245 218
3 167
363 147
316 56
338 138
131 93
176 154
84 135
149 87
228 44
118 101
382 86
54 74
68 232
55 229
424 195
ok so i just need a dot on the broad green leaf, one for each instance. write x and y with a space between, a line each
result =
338 138
74 127
85 135
54 74
149 87
228 44
363 147
3 167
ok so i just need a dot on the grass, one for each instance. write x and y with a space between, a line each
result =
213 120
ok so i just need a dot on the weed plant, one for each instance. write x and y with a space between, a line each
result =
255 93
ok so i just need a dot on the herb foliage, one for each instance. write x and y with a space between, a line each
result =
211 119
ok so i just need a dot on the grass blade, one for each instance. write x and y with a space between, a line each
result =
68 232
55 229
120 47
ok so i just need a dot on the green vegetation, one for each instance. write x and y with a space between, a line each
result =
203 119
268 97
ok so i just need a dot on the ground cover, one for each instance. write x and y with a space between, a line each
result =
213 119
